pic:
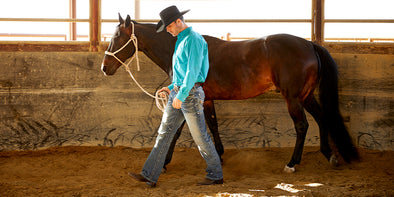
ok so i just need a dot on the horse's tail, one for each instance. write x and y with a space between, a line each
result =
332 120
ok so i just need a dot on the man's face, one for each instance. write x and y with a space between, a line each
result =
174 28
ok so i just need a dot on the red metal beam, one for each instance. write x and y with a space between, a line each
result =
73 15
318 21
94 24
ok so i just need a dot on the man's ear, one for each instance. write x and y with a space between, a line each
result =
178 21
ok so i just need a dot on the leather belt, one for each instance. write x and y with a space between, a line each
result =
196 85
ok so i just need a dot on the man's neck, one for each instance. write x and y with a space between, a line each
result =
184 26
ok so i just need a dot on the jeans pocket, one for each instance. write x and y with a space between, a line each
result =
194 103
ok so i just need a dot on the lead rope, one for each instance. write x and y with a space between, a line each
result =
160 101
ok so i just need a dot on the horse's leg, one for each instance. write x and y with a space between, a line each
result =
172 146
313 107
301 125
210 118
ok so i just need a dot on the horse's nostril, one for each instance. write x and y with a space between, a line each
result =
103 68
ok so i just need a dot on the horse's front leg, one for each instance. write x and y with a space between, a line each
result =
172 146
210 118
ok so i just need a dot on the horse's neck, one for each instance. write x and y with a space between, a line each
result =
159 47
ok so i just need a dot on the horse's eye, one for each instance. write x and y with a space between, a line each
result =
116 34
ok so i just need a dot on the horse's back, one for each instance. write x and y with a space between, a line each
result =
288 45
236 69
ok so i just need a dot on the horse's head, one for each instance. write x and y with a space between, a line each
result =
121 46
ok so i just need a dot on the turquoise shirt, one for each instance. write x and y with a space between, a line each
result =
190 62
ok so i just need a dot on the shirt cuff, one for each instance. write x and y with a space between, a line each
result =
171 86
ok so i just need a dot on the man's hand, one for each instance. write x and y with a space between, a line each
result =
164 89
177 104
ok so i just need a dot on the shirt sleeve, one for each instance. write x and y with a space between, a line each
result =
171 86
194 52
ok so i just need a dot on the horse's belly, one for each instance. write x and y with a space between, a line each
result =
236 92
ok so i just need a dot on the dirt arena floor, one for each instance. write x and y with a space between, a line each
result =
102 171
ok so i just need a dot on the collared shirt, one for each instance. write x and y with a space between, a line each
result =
190 62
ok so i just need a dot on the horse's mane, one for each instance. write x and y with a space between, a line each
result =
211 38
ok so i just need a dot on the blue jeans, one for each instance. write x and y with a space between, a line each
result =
192 111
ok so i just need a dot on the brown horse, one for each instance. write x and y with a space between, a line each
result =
245 69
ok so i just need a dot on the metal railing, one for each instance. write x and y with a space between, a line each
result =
317 22
12 35
198 21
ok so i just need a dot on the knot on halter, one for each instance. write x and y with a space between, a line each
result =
133 39
160 101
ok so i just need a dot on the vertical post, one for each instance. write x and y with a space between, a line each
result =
318 21
137 9
228 38
73 15
95 24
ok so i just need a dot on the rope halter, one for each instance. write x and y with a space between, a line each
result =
161 102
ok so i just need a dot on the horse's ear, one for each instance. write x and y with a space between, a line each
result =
128 21
121 21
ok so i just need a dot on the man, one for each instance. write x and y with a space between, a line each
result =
186 98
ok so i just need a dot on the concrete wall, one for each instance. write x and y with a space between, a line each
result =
58 99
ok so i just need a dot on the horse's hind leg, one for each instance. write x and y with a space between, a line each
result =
314 109
210 118
301 125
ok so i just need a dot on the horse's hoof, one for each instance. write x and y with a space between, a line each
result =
333 161
289 169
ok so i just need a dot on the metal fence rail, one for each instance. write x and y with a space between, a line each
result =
95 37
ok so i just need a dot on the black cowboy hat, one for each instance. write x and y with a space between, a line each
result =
168 16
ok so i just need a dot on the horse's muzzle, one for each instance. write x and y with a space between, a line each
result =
104 69
107 70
